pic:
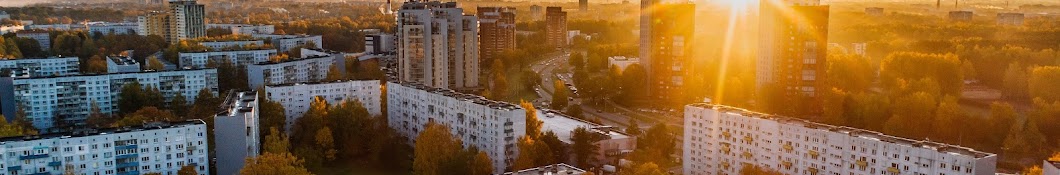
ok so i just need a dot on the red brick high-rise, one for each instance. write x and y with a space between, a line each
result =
496 32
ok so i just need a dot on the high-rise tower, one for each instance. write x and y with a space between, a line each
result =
187 20
437 45
496 32
666 38
556 27
792 57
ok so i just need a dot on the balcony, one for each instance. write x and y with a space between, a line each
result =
126 156
129 173
38 156
125 147
129 164
55 163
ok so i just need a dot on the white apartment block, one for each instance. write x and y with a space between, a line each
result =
490 126
296 98
238 57
720 140
43 37
338 57
152 148
297 70
621 62
437 45
1050 167
556 169
236 132
40 67
55 27
122 64
72 97
221 45
245 29
113 28
284 43
377 42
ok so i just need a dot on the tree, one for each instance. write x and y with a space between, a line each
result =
969 70
187 170
942 68
559 98
634 128
1002 118
144 115
1044 83
533 125
334 74
1024 139
274 164
271 113
751 169
1016 82
1034 170
434 146
584 146
633 83
131 97
499 91
849 72
306 129
276 142
179 106
30 48
13 129
577 60
481 165
910 112
949 120
575 111
326 143
528 154
558 148
643 169
154 64
96 65
656 146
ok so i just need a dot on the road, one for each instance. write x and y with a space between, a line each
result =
547 69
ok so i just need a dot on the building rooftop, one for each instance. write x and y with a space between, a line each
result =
237 102
315 83
104 131
557 169
853 132
122 60
311 57
89 75
1054 163
463 97
563 125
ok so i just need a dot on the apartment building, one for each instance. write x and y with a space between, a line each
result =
297 70
611 143
236 132
112 28
154 23
1051 167
43 37
296 98
122 64
557 169
245 29
792 55
150 148
437 45
556 27
284 43
667 33
40 67
72 97
222 45
238 57
496 32
338 57
187 20
490 126
721 140
378 43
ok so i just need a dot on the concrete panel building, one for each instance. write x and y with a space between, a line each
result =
43 37
296 98
611 143
721 140
556 27
245 29
496 32
490 126
284 43
223 45
40 67
437 45
122 64
72 97
666 46
187 20
238 57
792 54
151 148
378 43
236 132
113 28
297 70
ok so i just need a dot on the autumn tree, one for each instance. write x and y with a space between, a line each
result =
304 137
559 97
1044 83
751 169
275 164
481 165
334 74
154 64
949 120
276 142
849 72
1016 82
434 147
648 168
187 170
910 115
1024 139
584 146
944 69
533 125
499 90
96 65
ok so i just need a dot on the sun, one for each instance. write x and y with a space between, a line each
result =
736 3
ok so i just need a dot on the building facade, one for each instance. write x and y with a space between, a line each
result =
792 55
237 132
721 140
490 126
151 148
113 28
1051 167
238 57
621 63
298 70
1012 19
42 36
154 23
187 20
284 43
557 169
666 47
556 27
378 43
40 67
72 97
222 45
496 32
245 29
610 142
961 15
296 98
437 45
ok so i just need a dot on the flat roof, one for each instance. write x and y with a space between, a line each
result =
104 131
853 132
556 169
563 125
461 96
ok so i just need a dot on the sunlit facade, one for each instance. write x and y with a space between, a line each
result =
496 32
556 27
666 35
437 45
721 140
187 20
296 98
792 57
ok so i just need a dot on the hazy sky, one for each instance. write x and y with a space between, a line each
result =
9 3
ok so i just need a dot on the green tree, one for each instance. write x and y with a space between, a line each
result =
271 113
179 106
334 74
634 84
634 128
1044 83
131 97
558 147
1002 117
559 98
577 60
30 48
584 146
499 90
1024 139
575 111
